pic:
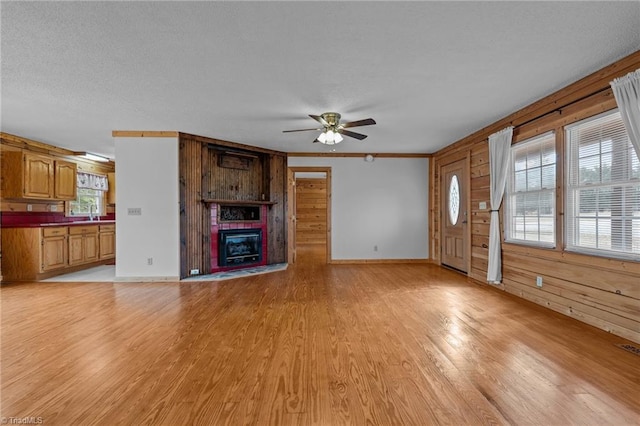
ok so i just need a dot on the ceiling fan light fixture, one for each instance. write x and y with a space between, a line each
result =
322 138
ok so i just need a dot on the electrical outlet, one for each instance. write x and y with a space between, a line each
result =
53 208
375 248
134 211
538 281
29 207
194 272
483 205
149 260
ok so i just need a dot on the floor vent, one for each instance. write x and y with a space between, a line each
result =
630 348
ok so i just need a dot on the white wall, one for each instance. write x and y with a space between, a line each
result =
383 203
147 178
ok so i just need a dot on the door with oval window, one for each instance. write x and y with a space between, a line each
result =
454 250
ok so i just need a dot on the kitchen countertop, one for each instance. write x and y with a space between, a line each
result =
78 223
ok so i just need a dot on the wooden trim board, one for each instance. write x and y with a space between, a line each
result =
360 154
144 134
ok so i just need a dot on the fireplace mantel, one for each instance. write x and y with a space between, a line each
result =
238 202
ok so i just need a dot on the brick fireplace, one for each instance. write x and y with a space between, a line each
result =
241 218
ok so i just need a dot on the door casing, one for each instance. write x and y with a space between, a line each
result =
291 211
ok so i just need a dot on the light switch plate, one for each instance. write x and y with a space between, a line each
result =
134 211
483 205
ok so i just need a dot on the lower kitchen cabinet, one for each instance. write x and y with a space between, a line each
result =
107 241
83 244
35 253
53 249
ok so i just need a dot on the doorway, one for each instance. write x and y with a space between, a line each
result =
455 231
309 216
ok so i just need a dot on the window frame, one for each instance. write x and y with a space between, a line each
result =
508 216
101 211
569 240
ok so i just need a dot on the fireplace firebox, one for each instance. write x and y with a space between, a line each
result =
239 246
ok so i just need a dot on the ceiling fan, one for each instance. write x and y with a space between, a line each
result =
333 130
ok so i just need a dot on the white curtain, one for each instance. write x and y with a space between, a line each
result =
627 93
499 148
91 181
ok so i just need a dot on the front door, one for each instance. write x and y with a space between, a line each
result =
454 215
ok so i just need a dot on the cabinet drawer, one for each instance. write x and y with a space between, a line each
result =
52 232
89 229
107 228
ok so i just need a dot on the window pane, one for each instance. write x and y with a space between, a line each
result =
589 150
521 181
549 153
549 176
635 165
588 202
605 168
534 180
533 157
589 170
587 236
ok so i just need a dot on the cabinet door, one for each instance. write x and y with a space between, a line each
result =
38 176
76 249
65 180
111 194
90 247
107 245
54 253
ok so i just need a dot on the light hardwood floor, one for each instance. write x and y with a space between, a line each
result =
315 344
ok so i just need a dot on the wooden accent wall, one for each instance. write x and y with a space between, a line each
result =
234 184
277 220
194 224
311 210
598 291
202 177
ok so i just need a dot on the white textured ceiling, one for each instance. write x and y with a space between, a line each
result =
430 73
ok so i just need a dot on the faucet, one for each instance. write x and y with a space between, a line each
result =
91 212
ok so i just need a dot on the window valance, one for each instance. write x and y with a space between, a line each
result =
91 181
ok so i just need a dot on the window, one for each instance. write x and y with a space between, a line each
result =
87 201
603 188
530 192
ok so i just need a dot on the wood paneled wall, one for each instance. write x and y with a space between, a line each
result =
234 184
194 222
599 291
201 177
311 210
277 220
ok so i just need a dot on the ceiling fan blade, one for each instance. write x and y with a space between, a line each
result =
351 134
316 141
300 130
319 119
365 122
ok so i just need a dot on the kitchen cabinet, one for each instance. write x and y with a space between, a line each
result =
111 194
34 253
65 180
107 241
36 176
54 250
83 244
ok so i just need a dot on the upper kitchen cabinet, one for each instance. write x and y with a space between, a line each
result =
111 194
36 176
65 180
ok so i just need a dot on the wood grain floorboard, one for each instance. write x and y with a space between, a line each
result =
317 344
